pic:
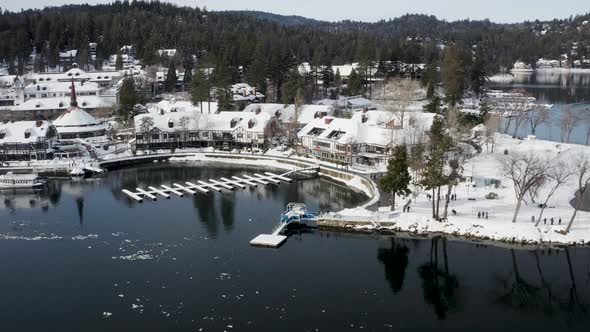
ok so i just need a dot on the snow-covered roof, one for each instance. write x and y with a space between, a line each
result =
61 87
68 54
77 74
90 102
167 52
171 106
76 120
286 113
368 127
11 80
203 121
24 131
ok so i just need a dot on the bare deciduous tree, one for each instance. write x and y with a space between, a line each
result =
525 170
397 96
582 173
146 126
184 123
586 118
538 115
570 118
492 123
558 176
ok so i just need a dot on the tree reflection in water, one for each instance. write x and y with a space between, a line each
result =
438 284
523 295
395 260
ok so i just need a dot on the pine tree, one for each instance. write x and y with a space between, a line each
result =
327 78
397 179
478 72
337 83
171 78
127 98
119 61
453 74
355 84
293 83
199 88
433 177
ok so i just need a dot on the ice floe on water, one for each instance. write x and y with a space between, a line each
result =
42 236
141 255
84 237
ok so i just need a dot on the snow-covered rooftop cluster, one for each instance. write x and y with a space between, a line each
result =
373 127
192 121
25 131
286 113
43 104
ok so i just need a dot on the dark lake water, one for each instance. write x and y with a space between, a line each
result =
203 275
562 90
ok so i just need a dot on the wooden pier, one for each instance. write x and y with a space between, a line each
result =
205 187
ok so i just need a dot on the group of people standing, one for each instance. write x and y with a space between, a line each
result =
545 220
482 214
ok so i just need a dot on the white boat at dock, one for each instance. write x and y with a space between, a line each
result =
16 181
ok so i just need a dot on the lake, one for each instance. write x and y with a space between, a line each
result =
82 257
560 89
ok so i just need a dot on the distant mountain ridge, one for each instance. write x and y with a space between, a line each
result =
286 20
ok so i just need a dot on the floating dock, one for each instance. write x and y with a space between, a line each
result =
268 240
205 187
296 213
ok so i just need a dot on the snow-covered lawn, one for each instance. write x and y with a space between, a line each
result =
498 225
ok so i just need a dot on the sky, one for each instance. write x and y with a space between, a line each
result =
503 11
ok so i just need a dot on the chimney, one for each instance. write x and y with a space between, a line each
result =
365 109
328 120
251 124
258 110
38 87
39 123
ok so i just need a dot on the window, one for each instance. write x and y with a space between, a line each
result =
322 144
336 134
170 124
316 132
155 136
205 134
27 133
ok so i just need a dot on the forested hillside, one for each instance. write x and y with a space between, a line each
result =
267 44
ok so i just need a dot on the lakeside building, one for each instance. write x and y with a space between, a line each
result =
225 130
26 140
104 79
76 123
365 139
51 108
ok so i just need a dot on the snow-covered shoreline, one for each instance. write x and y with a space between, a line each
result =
355 183
496 231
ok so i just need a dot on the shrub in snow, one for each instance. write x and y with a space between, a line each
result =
492 195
